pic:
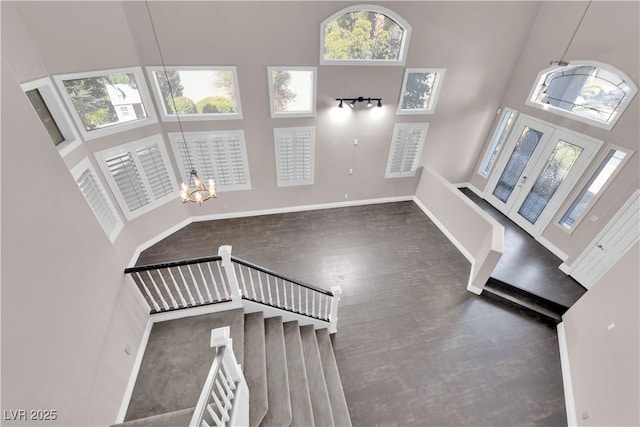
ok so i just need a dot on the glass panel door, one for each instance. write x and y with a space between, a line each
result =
521 152
541 165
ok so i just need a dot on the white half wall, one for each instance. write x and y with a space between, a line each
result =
477 236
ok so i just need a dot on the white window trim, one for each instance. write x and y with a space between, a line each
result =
559 111
278 114
46 88
151 72
281 132
76 172
435 92
117 128
101 157
493 141
396 128
587 176
176 139
373 8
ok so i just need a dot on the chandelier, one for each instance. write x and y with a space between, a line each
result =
193 189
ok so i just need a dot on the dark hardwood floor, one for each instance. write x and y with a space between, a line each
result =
414 348
527 264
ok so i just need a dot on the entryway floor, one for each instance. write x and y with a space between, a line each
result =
528 265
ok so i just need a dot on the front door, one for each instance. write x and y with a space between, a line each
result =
539 167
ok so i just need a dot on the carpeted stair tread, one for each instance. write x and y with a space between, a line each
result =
255 367
171 419
320 402
279 410
339 406
301 410
175 364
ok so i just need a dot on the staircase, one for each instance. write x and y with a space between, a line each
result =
292 375
290 370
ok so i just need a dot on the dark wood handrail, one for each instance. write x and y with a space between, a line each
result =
171 264
280 276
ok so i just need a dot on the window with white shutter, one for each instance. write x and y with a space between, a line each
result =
406 148
97 199
294 155
219 155
139 174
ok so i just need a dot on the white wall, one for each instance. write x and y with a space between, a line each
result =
605 365
67 311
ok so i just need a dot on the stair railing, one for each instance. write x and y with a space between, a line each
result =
224 278
222 401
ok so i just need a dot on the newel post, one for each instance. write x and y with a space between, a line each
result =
221 337
333 315
230 272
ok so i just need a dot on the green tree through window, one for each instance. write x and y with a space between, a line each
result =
362 35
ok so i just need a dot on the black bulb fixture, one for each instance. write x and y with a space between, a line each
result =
352 101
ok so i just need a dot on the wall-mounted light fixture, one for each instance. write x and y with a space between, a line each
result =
352 101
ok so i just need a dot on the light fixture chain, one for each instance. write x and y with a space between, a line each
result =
575 31
166 76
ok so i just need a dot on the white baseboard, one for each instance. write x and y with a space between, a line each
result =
301 208
553 248
166 233
244 214
444 230
570 404
566 269
134 373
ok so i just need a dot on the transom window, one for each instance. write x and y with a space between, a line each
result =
587 91
198 92
96 100
420 90
364 35
292 91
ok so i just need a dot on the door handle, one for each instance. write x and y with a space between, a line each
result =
600 247
524 179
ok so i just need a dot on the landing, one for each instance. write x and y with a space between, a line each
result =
528 265
176 362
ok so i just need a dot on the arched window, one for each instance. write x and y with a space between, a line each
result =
588 91
364 35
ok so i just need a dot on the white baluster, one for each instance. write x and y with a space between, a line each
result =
156 307
284 293
175 285
215 283
313 303
293 300
166 287
269 289
327 298
253 286
204 282
244 283
214 416
306 301
299 299
193 301
195 283
164 302
229 285
275 279
261 288
186 284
